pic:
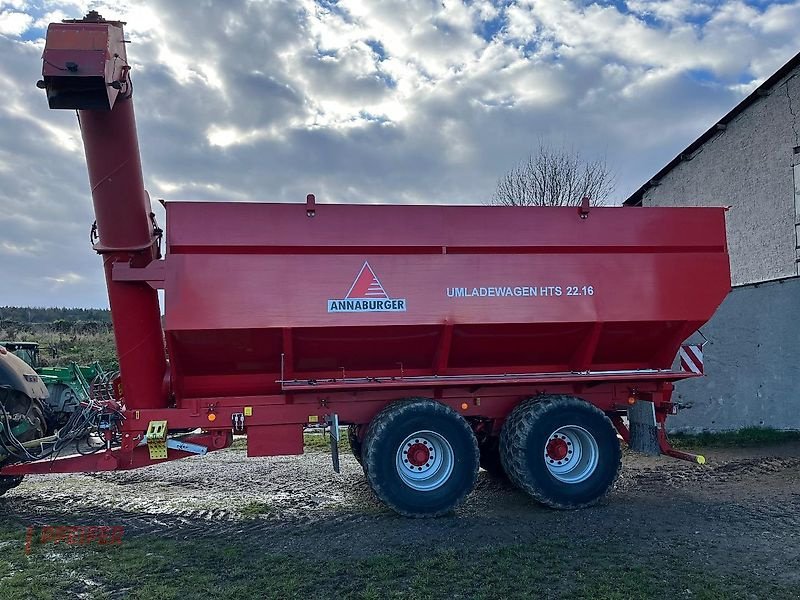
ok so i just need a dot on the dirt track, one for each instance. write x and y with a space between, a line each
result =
740 511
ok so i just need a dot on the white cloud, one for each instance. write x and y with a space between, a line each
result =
14 23
67 279
395 101
15 4
671 10
16 249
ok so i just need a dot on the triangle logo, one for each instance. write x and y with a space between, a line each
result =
367 294
366 285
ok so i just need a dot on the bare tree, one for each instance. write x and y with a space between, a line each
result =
555 177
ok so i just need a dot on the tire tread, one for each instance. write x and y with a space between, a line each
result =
384 420
514 435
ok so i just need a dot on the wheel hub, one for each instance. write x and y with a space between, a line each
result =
557 448
571 454
418 454
424 460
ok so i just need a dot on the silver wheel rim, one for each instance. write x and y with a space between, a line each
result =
424 461
571 454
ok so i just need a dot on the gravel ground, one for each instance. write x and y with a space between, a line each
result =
739 511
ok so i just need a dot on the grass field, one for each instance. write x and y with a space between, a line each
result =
593 565
59 348
747 437
151 568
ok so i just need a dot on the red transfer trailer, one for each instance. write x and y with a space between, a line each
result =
523 339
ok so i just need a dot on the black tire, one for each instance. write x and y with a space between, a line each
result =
489 450
21 406
60 405
394 428
8 482
526 435
355 442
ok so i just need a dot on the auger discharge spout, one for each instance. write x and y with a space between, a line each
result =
85 68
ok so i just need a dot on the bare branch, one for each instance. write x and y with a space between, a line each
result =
555 177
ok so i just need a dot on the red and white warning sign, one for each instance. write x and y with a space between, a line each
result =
692 358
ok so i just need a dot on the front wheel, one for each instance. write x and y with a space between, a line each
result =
561 450
420 457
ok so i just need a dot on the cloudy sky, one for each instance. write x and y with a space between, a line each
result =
405 101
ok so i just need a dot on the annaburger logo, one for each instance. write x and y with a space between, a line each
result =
367 295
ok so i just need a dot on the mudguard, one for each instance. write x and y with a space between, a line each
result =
18 375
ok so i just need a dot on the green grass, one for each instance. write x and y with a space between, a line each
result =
316 442
152 569
312 442
239 444
254 509
61 348
748 437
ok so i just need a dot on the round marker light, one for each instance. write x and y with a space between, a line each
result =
212 417
464 406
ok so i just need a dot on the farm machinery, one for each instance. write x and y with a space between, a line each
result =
67 385
527 339
37 402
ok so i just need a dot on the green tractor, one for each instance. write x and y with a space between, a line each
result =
67 386
44 410
23 397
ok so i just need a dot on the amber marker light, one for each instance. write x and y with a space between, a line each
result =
212 417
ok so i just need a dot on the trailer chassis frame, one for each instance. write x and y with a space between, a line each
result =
274 423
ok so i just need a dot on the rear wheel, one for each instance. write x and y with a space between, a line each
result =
61 404
561 450
420 457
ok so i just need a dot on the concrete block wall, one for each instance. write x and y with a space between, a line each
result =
752 363
749 167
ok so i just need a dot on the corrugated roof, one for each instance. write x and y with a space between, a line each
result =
762 90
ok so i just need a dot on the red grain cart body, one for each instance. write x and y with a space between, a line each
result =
443 335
